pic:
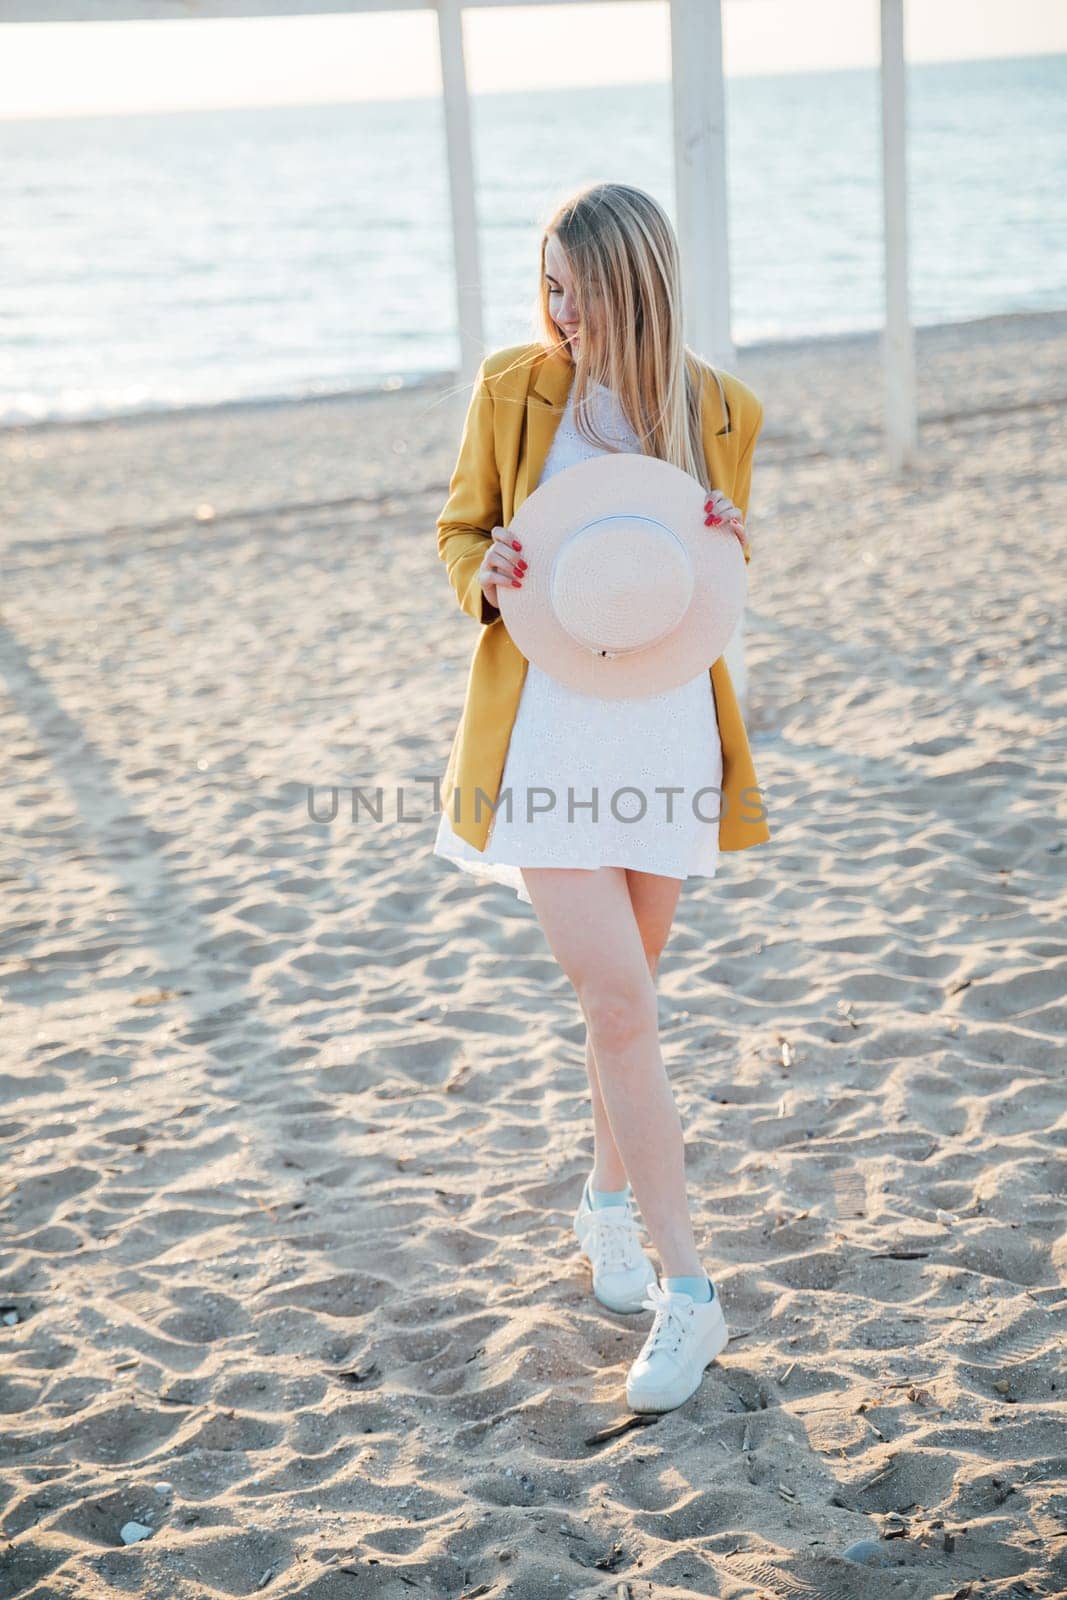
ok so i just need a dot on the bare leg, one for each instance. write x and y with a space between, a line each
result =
609 1174
591 924
654 900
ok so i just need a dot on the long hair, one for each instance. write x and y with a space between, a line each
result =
624 261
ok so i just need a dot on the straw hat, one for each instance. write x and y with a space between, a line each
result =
627 593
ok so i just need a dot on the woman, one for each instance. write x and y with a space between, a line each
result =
611 372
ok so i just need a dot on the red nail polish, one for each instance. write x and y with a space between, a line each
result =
516 544
515 584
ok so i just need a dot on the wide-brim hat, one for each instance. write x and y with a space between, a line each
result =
627 592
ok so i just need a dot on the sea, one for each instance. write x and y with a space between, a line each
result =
157 262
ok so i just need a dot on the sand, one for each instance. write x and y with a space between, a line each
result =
295 1114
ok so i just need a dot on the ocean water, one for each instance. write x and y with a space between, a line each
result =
155 262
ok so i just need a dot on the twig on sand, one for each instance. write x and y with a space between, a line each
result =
614 1429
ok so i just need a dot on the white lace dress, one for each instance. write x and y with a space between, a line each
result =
586 776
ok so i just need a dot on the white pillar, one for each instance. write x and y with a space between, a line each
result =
898 339
700 175
700 193
461 187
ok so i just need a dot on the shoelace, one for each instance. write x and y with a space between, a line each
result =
614 1241
674 1313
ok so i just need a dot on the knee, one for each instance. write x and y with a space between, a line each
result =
619 1011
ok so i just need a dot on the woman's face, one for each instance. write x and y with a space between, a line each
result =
562 305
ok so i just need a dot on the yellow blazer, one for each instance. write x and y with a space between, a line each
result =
519 396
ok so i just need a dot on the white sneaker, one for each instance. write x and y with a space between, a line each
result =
685 1335
622 1272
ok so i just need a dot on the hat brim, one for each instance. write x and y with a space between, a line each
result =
624 484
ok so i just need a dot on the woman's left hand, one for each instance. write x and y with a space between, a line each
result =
719 510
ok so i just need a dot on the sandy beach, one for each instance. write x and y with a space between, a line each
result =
295 1115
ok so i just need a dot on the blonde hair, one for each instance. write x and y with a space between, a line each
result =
623 254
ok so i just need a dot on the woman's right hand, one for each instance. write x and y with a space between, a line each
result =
502 564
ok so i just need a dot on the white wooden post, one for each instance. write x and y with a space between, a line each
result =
700 175
700 189
898 339
460 153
